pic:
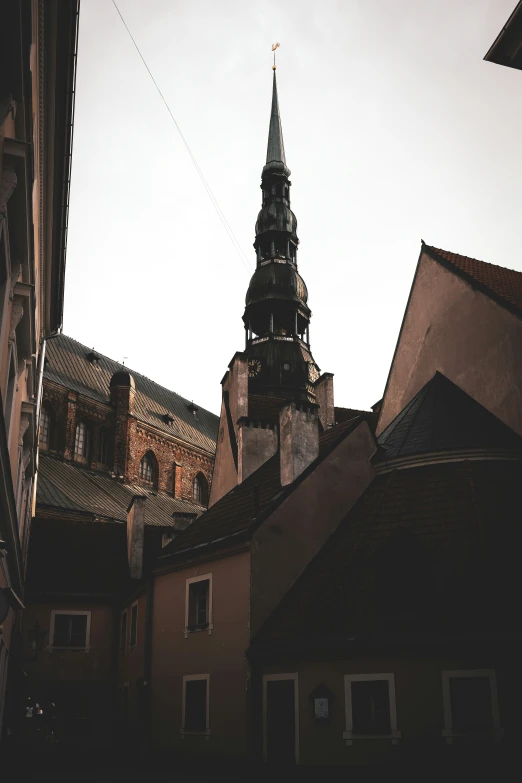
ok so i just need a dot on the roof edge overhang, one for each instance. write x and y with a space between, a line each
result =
444 457
495 52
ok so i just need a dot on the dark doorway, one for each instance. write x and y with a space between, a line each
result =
280 722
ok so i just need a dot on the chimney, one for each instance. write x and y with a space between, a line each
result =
135 535
324 394
298 438
256 443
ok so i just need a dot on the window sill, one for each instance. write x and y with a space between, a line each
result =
54 648
492 734
198 629
187 732
349 736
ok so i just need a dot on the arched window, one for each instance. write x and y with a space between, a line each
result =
200 489
148 470
101 456
81 442
45 432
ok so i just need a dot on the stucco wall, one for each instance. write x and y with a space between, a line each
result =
286 542
419 703
451 327
220 654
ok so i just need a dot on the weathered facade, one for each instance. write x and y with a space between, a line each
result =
124 465
37 73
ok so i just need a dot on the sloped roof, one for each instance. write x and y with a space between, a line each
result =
442 417
236 511
69 487
457 515
501 284
67 365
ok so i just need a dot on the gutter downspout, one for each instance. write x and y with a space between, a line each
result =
147 666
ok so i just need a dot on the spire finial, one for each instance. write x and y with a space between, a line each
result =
274 47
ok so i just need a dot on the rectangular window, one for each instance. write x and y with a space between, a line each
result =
134 625
198 607
123 632
370 707
195 703
470 703
70 629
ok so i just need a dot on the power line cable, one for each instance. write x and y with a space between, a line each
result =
224 221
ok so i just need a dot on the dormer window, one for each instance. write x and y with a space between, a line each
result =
93 358
193 409
168 419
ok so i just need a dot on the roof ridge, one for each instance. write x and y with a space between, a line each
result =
133 372
439 250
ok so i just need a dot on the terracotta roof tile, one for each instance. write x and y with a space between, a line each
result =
504 285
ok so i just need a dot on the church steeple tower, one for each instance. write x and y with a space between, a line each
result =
277 315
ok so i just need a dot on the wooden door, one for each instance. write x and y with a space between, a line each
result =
280 722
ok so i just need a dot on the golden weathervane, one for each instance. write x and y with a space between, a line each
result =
274 47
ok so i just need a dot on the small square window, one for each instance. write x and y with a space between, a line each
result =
470 704
70 629
370 707
134 626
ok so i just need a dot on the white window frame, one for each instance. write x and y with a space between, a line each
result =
271 678
349 735
210 625
129 628
448 675
189 678
51 646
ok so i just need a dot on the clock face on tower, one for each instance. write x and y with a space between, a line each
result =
254 367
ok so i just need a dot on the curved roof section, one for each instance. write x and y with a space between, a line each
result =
276 281
68 365
333 602
442 417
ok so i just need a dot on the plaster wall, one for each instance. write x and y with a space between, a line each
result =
290 537
66 664
221 654
419 703
451 327
255 446
233 407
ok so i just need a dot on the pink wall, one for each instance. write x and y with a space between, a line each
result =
451 327
220 654
286 542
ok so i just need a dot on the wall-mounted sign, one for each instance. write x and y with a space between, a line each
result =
321 709
321 699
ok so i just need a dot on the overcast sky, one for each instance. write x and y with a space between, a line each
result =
395 130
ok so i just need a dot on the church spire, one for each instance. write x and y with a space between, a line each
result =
275 152
277 315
